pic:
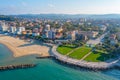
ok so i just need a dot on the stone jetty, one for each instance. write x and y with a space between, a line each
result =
43 57
12 67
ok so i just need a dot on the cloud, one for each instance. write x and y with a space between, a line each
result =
51 5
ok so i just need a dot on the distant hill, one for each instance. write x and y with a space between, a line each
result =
7 18
67 16
106 16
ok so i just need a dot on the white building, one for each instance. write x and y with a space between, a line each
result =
13 29
47 27
4 27
20 30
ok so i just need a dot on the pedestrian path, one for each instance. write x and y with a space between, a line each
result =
72 51
85 56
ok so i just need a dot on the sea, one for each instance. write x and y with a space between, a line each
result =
48 69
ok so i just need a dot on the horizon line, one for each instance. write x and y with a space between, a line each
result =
63 14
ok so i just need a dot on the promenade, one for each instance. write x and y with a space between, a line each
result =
85 64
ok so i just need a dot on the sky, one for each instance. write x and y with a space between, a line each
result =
9 7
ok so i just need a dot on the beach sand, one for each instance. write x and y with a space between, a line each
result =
21 48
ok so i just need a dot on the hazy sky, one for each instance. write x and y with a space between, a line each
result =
59 6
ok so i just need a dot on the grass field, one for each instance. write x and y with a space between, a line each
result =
79 53
65 49
97 57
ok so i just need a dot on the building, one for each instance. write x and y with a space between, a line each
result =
112 36
118 35
4 27
51 34
58 35
68 35
81 37
113 39
29 32
113 42
20 30
60 29
103 27
47 27
94 34
35 30
13 29
84 35
41 30
24 32
73 35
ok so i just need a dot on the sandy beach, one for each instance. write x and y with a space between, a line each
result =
21 48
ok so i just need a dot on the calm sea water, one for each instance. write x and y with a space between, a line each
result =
48 69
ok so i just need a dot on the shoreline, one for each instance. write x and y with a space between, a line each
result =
21 48
7 48
17 50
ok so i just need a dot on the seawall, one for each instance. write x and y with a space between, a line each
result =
84 64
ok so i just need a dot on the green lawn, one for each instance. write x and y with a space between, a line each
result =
97 57
79 53
65 49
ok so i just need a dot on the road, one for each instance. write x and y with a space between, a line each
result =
98 40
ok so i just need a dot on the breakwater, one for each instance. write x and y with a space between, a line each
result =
43 57
95 66
12 67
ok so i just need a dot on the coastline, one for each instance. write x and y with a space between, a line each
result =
84 64
22 48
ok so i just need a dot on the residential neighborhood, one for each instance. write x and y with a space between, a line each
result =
59 39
